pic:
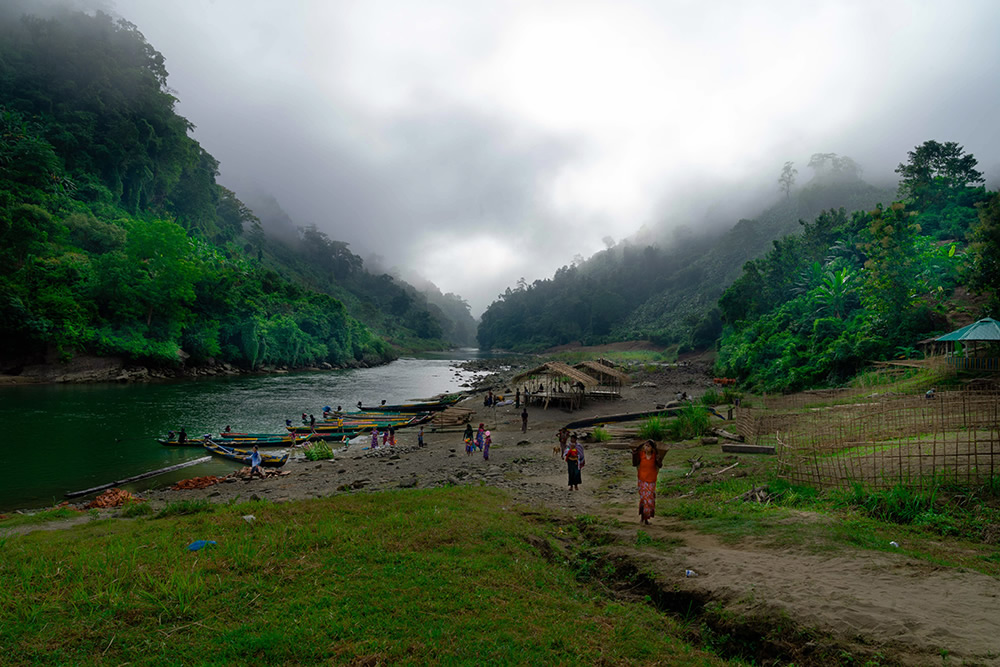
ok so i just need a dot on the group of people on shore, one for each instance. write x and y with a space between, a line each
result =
481 440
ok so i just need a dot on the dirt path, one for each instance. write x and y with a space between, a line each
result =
911 611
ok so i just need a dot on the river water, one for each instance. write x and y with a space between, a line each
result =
61 438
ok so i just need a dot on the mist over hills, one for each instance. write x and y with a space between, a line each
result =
664 286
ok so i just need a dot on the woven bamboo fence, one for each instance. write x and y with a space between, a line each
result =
881 440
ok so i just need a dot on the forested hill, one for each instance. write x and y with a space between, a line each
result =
667 291
852 288
116 239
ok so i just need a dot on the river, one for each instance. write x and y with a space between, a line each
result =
61 438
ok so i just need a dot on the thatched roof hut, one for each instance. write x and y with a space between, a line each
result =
555 381
556 372
604 374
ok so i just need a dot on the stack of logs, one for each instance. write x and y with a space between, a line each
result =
113 498
453 416
196 483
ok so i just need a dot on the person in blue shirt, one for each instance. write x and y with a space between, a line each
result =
255 464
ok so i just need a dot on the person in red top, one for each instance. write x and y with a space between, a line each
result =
574 462
648 460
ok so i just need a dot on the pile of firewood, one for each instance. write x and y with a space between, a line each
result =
453 416
113 498
758 494
196 483
244 473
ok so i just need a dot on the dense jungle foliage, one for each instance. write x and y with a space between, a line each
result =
852 288
116 239
665 291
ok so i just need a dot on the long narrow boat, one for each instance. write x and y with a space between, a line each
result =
634 416
422 406
243 455
280 441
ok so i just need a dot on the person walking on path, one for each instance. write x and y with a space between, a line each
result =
468 432
524 419
647 461
480 436
574 461
487 441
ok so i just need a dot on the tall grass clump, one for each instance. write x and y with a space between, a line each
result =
900 504
691 422
319 450
711 397
653 428
600 435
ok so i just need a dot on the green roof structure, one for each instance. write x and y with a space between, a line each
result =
986 329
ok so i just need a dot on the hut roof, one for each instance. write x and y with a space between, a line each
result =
601 369
559 369
986 329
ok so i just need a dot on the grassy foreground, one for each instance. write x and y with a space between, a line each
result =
438 576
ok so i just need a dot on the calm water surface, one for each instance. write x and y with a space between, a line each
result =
60 438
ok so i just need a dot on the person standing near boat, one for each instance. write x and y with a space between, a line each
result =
255 464
574 462
647 461
392 436
374 444
420 437
182 438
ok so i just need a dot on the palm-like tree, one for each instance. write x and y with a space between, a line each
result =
835 291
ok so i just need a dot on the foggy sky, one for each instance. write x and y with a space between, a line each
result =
479 142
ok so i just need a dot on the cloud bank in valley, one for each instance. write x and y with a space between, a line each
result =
476 143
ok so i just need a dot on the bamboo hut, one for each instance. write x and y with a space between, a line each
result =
554 382
611 379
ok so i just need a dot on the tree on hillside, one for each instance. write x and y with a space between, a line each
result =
833 168
787 178
936 173
985 250
888 272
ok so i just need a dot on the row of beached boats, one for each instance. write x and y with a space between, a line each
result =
337 426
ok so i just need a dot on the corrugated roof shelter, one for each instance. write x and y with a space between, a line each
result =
986 329
976 346
557 382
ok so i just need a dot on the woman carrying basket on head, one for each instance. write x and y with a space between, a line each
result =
648 461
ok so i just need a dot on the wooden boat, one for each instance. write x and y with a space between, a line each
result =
635 416
422 406
243 455
259 438
279 441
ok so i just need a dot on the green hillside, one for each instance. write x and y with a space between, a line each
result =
116 239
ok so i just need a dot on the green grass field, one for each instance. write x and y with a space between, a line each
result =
455 576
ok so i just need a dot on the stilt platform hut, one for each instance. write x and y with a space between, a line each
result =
611 379
555 383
